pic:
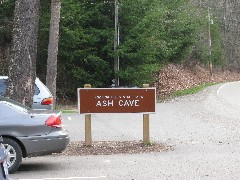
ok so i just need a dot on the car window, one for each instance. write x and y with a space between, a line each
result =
14 103
36 90
3 87
16 107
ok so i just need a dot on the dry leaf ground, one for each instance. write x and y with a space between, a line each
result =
179 77
78 148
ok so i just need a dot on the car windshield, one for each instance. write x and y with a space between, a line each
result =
14 103
3 87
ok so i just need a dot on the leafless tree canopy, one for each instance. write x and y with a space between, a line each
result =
228 14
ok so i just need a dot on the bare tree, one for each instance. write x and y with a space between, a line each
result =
22 69
232 33
210 65
53 48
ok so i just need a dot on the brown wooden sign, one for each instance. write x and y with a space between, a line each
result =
116 100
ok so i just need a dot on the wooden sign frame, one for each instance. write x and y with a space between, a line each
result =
116 100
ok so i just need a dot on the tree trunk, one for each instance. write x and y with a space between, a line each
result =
53 48
4 59
210 45
22 69
116 44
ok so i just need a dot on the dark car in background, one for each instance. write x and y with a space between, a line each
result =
3 161
28 133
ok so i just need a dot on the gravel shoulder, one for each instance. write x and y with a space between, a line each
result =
198 137
202 118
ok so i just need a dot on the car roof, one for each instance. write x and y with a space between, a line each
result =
38 82
3 77
6 77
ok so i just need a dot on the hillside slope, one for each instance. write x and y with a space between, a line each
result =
179 77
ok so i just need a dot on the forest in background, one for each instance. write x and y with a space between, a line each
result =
153 33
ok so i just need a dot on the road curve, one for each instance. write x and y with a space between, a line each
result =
230 93
204 130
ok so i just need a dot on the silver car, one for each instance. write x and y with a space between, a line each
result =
42 98
28 132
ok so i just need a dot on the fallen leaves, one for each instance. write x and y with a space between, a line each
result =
78 148
179 77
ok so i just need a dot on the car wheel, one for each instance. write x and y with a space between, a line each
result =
14 157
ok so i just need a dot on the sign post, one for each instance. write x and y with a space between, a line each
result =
88 125
116 100
146 131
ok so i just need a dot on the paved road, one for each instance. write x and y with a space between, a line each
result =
230 93
204 130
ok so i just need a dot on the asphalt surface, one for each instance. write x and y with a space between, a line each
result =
204 130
